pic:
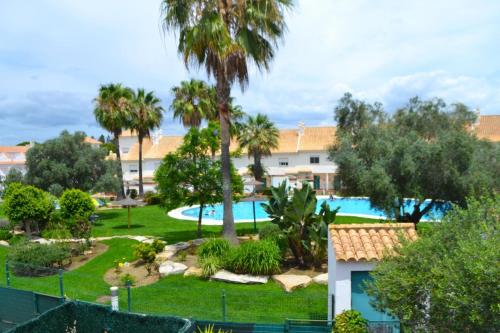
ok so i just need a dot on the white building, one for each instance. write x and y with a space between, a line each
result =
302 155
12 157
353 251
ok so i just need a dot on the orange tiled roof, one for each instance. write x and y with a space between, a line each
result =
133 154
14 149
287 142
167 144
488 128
92 141
317 138
366 242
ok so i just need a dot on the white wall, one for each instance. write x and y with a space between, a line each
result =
294 159
339 280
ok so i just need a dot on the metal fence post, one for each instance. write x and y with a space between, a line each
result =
114 299
129 297
287 326
224 310
7 272
61 285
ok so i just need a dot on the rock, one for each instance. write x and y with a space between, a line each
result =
4 243
41 240
164 256
193 271
290 282
176 247
226 276
321 279
87 253
139 238
171 268
148 241
198 241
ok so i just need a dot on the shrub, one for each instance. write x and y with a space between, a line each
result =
257 258
75 203
133 193
79 248
80 228
17 239
146 252
273 233
210 266
33 259
350 321
152 198
57 232
215 247
127 280
158 245
5 234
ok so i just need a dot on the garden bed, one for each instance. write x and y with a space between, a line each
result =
136 270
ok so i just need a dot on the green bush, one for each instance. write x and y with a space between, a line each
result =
257 258
215 247
58 232
273 233
80 227
33 259
76 204
132 193
146 252
152 198
17 239
127 280
210 266
158 245
350 321
5 234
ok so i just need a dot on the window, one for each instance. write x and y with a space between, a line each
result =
283 162
125 150
133 168
314 159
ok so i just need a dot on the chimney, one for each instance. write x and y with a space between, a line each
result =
301 128
156 136
478 114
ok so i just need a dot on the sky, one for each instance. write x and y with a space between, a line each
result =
54 55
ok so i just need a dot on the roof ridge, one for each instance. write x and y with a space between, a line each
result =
387 225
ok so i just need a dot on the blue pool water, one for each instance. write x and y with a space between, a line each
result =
348 206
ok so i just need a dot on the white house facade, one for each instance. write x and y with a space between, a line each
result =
12 157
302 155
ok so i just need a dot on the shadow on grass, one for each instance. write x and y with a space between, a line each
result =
125 226
108 215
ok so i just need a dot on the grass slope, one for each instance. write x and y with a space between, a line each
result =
176 295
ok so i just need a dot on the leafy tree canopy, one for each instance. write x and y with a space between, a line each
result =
446 281
67 161
424 151
190 176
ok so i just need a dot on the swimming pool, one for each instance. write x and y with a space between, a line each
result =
243 211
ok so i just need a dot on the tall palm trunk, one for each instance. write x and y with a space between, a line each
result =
121 194
257 170
223 92
141 186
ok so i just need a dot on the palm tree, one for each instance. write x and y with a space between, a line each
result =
259 136
146 115
111 112
194 101
223 35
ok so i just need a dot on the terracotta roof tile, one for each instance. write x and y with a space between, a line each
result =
488 128
366 242
14 149
317 138
133 154
92 141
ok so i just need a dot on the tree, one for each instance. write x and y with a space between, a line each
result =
223 36
13 176
146 115
259 136
112 113
194 101
28 206
424 151
67 161
190 176
306 231
446 281
102 139
76 204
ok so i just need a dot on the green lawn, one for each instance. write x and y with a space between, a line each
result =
188 297
153 221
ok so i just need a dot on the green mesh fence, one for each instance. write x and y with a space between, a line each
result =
90 318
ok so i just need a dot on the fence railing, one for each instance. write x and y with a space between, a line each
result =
267 309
